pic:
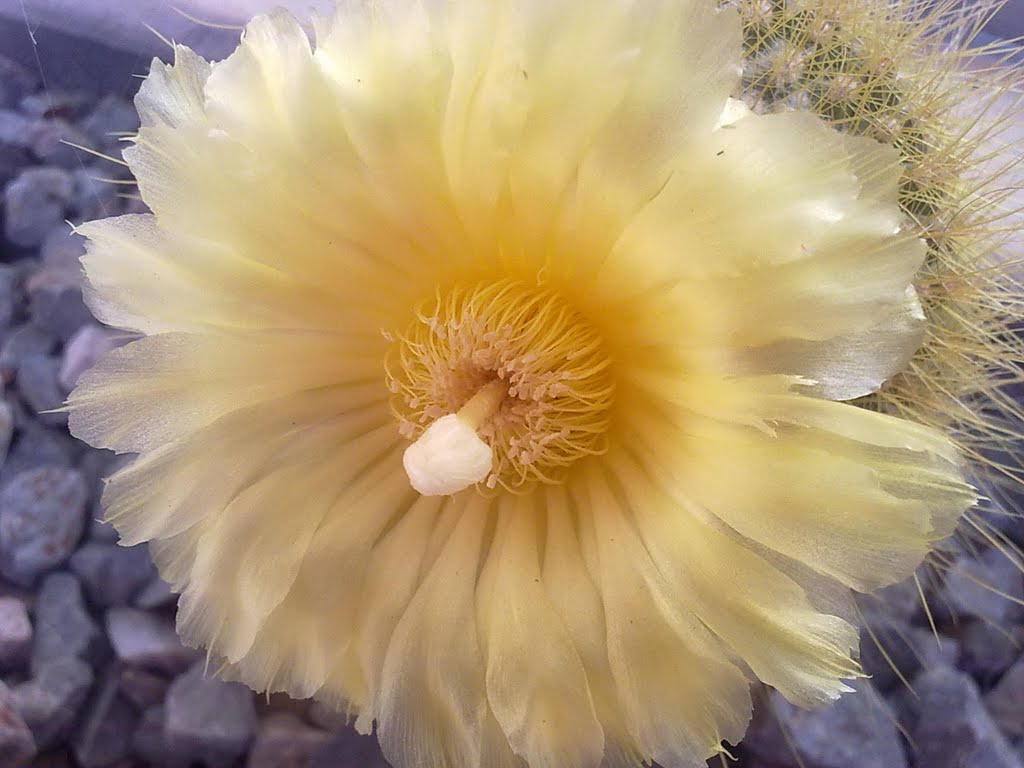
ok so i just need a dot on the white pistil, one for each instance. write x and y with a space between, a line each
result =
450 456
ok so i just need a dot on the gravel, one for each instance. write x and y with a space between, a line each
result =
17 746
41 520
208 720
15 633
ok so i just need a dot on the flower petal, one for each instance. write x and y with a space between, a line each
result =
763 616
162 388
433 700
536 684
893 488
167 491
686 697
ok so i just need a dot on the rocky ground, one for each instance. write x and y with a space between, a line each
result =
91 671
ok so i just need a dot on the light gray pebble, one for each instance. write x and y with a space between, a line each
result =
17 746
1006 701
284 739
34 203
952 729
51 142
105 734
142 687
51 700
57 306
989 650
42 517
112 117
36 446
63 626
156 594
112 575
16 82
23 342
208 720
144 639
15 633
39 388
62 248
977 586
13 160
10 295
857 731
84 349
150 744
6 429
95 196
15 128
55 102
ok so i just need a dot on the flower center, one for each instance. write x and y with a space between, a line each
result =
500 383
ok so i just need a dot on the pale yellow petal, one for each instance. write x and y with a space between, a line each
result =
686 697
763 616
576 597
250 554
165 387
167 491
433 700
891 488
848 365
306 645
536 683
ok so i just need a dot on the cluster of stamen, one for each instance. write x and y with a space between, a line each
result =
555 391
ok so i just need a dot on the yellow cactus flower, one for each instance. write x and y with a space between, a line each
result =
493 372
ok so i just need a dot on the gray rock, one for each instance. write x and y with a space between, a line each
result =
284 739
51 700
41 520
141 687
952 728
6 429
62 249
10 290
888 651
56 305
84 349
34 203
150 744
105 735
63 626
113 115
35 447
156 594
39 388
13 160
1005 702
16 82
112 575
989 650
15 633
15 129
23 342
95 196
208 720
51 142
348 749
975 587
17 747
147 640
55 102
858 731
